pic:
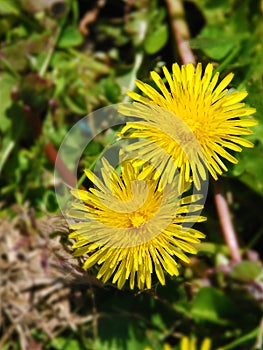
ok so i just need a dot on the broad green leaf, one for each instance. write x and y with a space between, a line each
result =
227 26
112 336
110 89
70 37
156 39
249 169
215 44
7 82
9 7
66 343
213 305
246 271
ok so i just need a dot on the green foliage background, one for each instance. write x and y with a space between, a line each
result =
52 74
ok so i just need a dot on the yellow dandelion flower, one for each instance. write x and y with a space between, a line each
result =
195 121
190 344
166 346
131 227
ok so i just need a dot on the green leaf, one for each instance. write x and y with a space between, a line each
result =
215 44
110 89
246 271
9 7
50 201
249 168
70 37
15 56
114 33
243 340
214 306
66 343
156 40
76 104
112 336
7 82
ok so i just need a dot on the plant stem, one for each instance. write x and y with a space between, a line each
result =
226 222
54 40
180 30
50 52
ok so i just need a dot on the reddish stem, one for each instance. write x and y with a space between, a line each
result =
180 30
226 222
61 167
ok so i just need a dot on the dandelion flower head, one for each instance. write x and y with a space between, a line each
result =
206 121
131 228
190 344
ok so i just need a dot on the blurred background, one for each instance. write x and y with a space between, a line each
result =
59 61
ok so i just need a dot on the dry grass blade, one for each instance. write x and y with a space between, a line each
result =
39 280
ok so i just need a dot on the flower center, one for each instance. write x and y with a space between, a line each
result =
188 134
137 219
